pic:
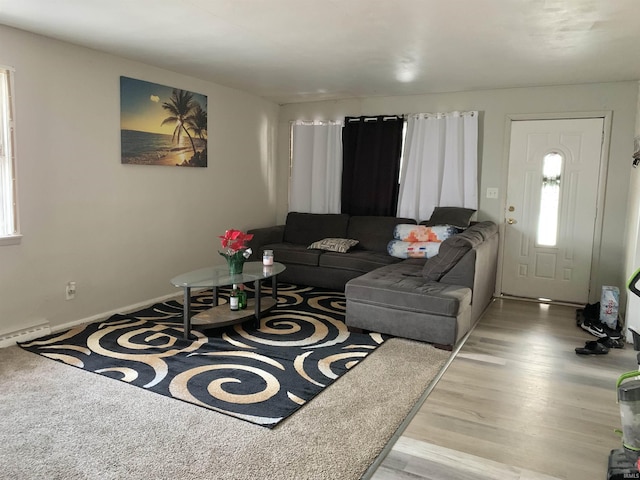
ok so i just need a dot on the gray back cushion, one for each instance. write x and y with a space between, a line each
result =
306 228
455 247
486 228
374 233
448 256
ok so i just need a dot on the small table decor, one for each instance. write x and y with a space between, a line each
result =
235 249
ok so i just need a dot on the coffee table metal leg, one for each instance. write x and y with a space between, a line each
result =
257 302
274 287
186 311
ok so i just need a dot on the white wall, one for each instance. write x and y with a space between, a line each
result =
633 238
495 106
120 231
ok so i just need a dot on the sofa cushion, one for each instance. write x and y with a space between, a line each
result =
340 245
374 232
403 287
454 248
296 254
306 228
463 272
445 260
471 237
456 216
487 229
356 260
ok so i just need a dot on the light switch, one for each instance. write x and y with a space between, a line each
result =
492 193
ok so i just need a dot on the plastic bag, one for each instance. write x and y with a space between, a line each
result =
609 303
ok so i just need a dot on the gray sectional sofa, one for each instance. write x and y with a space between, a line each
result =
436 300
325 268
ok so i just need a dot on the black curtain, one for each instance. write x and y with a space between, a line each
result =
371 164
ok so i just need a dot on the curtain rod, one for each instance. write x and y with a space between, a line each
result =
470 113
316 122
370 118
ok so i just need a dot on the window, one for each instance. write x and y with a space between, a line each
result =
549 199
9 233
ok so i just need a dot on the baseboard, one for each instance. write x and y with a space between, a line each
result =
41 329
105 315
24 334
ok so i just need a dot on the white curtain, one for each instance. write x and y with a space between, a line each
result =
440 164
316 167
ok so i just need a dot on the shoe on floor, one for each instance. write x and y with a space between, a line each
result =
592 311
594 328
592 348
611 333
611 342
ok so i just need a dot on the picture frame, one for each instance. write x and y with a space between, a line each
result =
162 125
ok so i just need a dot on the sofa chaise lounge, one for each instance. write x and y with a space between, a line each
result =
437 300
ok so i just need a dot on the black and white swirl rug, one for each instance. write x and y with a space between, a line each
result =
259 375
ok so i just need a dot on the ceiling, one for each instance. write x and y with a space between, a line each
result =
302 50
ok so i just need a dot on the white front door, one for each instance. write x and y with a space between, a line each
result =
551 205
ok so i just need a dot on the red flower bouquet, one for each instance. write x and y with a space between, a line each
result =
234 243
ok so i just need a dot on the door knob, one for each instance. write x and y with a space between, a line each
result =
511 221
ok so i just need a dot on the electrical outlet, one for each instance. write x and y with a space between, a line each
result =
71 290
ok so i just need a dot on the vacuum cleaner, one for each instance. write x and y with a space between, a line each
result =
624 463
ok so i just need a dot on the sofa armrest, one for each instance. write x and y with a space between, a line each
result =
264 236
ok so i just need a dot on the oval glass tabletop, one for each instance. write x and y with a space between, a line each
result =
219 276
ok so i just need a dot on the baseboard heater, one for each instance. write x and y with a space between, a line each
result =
25 334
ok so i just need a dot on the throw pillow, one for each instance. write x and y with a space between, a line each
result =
456 216
422 233
400 249
340 245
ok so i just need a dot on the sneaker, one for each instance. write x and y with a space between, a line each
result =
611 333
611 342
591 312
594 328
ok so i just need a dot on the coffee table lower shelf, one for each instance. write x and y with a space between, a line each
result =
222 315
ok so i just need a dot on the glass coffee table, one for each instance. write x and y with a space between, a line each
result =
219 276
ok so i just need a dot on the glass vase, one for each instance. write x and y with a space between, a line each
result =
235 262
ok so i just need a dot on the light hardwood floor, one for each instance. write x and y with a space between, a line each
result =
517 403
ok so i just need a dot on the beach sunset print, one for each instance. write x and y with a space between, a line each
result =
162 125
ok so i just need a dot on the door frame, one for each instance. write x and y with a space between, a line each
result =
606 115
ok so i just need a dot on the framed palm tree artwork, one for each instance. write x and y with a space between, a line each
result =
162 125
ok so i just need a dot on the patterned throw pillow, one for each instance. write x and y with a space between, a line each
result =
400 249
340 245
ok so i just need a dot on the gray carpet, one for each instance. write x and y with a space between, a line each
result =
59 422
259 375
